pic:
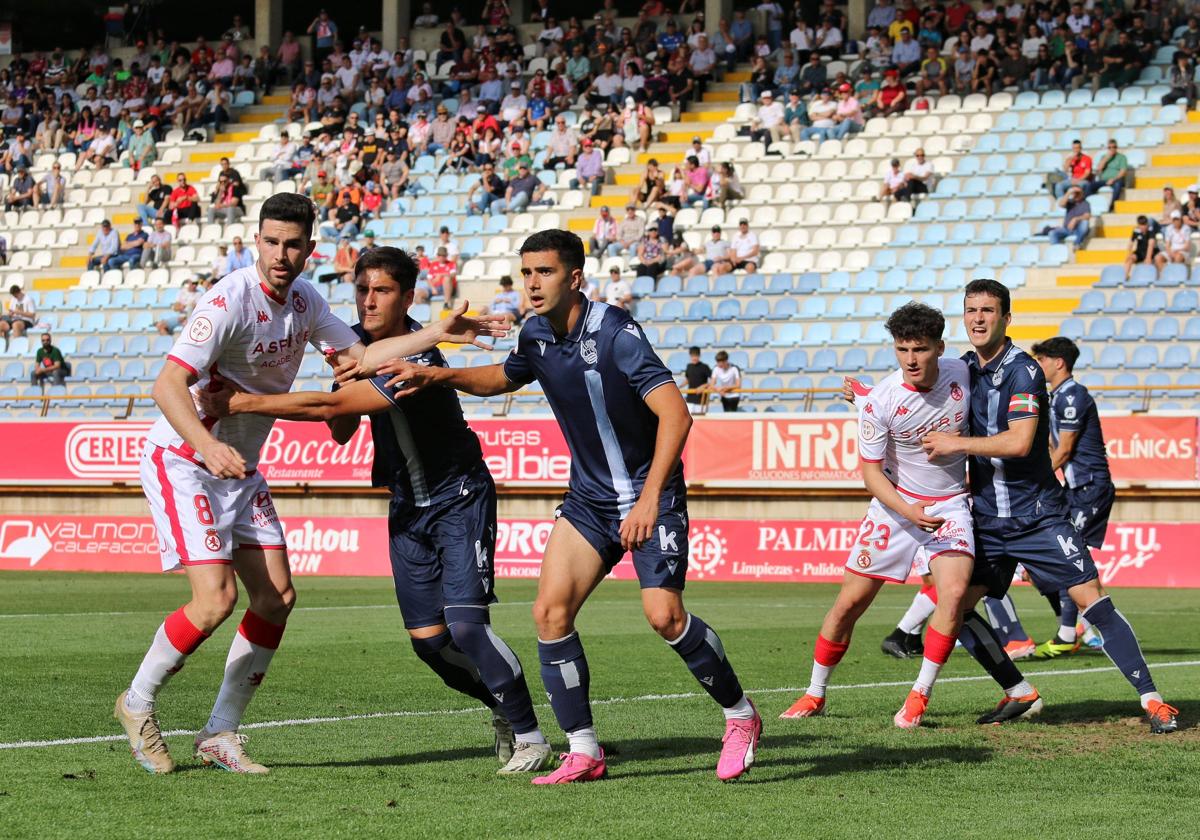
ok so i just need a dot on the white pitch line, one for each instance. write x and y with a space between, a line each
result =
296 610
611 701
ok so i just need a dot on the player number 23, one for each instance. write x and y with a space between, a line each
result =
874 534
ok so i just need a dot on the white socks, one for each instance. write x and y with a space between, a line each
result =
1150 695
918 613
741 710
533 737
1021 689
1067 634
584 741
820 679
244 670
174 640
927 676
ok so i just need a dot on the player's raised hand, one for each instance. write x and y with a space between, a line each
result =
223 460
458 328
916 515
638 526
940 444
848 385
406 376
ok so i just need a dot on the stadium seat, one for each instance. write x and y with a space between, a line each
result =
1132 329
1164 329
1112 358
1102 329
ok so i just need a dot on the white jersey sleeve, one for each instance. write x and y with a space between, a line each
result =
329 332
214 325
872 429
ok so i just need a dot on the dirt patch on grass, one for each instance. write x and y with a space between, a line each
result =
1034 740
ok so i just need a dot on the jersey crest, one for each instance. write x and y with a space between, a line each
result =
587 349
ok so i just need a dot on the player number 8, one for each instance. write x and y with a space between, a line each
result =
204 514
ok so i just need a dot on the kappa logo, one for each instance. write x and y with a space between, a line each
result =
541 346
901 411
870 409
1067 544
299 303
219 302
263 317
589 352
956 393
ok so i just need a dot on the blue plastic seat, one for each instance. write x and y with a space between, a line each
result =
1092 302
725 284
1102 329
824 360
729 309
1072 328
794 359
779 284
696 285
1111 358
643 310
668 286
1142 275
814 307
1121 302
819 334
732 335
785 308
789 334
753 284
1132 329
1173 274
704 336
1164 329
114 345
1144 357
1184 301
850 333
756 309
672 310
1176 357
676 336
1111 276
1154 300
843 307
643 286
764 361
761 335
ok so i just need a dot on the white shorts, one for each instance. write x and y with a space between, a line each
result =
888 545
201 518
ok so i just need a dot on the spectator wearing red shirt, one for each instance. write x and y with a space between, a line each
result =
184 201
956 15
1078 171
441 279
891 97
202 56
483 122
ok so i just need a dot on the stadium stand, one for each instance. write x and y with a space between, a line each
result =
835 258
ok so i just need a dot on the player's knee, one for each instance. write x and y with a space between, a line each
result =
553 620
667 621
212 607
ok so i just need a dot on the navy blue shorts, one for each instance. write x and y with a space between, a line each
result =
661 562
1048 546
442 554
1090 506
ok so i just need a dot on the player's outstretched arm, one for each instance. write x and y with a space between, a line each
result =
882 489
173 398
674 424
353 400
1015 442
455 328
483 381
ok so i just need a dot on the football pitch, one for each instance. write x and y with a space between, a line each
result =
363 741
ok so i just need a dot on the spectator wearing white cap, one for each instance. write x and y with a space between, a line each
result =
142 151
768 124
1177 243
514 105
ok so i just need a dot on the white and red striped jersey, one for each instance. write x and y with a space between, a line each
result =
894 416
256 340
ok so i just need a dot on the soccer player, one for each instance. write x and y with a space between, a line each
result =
1021 512
625 423
442 518
1077 448
212 509
919 505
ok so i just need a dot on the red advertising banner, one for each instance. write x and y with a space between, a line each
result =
1143 449
776 450
1135 554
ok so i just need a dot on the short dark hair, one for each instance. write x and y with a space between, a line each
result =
1059 347
694 351
994 288
14 288
289 207
722 356
567 245
395 263
914 321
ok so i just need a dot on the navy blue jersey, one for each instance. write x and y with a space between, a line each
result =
596 380
1011 387
1072 409
424 449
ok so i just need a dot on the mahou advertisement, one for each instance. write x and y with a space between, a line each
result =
747 450
1135 553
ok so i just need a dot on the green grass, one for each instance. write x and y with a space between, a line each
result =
1087 764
